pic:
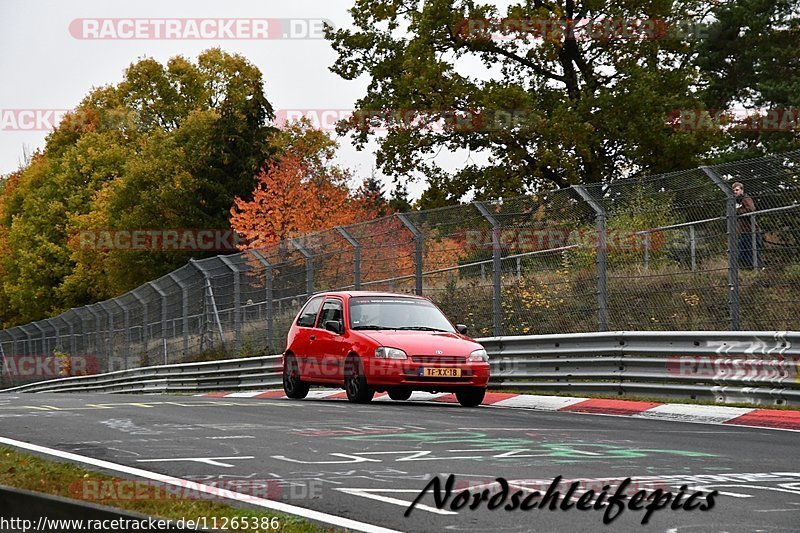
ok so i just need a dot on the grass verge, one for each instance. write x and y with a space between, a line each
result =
29 472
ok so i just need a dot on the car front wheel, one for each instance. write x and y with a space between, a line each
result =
399 394
471 397
293 386
355 382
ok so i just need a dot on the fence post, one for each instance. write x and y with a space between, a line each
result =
145 336
418 249
126 320
163 296
268 293
754 242
3 366
647 251
733 246
237 304
309 257
85 331
14 347
602 255
356 256
110 333
210 295
693 247
184 311
98 351
497 255
41 337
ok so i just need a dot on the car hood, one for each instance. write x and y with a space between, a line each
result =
424 342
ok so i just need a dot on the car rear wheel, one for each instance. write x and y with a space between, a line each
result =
355 382
399 394
293 386
471 397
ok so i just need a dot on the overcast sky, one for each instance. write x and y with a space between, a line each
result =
47 66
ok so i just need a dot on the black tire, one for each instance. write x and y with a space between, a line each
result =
355 382
471 397
293 386
399 394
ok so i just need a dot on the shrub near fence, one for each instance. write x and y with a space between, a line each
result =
642 253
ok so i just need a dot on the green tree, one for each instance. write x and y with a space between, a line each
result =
544 107
752 60
169 146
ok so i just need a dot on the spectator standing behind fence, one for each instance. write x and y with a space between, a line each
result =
746 226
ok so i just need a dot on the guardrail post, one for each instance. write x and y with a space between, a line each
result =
418 249
237 304
164 302
733 246
693 247
602 256
268 293
309 258
497 256
356 256
184 311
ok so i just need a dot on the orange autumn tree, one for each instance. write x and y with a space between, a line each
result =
288 201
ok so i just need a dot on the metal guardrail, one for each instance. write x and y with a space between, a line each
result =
727 367
230 374
750 367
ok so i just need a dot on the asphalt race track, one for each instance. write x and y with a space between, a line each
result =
368 462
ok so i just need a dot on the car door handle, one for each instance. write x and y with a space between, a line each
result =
312 337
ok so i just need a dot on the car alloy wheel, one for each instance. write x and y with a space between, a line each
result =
293 386
355 382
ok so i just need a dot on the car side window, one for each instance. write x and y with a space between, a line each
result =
308 316
331 310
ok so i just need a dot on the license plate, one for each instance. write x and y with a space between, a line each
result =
440 372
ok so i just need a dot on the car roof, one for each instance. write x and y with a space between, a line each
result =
351 294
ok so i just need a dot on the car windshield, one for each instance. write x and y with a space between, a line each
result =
379 312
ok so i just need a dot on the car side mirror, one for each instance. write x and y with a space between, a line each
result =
461 328
334 326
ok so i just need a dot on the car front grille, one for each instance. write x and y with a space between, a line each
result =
438 359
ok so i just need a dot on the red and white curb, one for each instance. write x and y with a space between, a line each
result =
678 412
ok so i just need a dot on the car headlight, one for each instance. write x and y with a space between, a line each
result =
479 355
382 352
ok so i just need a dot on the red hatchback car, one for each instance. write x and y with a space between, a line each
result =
371 341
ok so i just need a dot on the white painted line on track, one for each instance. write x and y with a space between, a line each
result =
200 487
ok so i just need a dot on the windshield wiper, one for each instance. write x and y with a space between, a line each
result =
424 328
371 327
